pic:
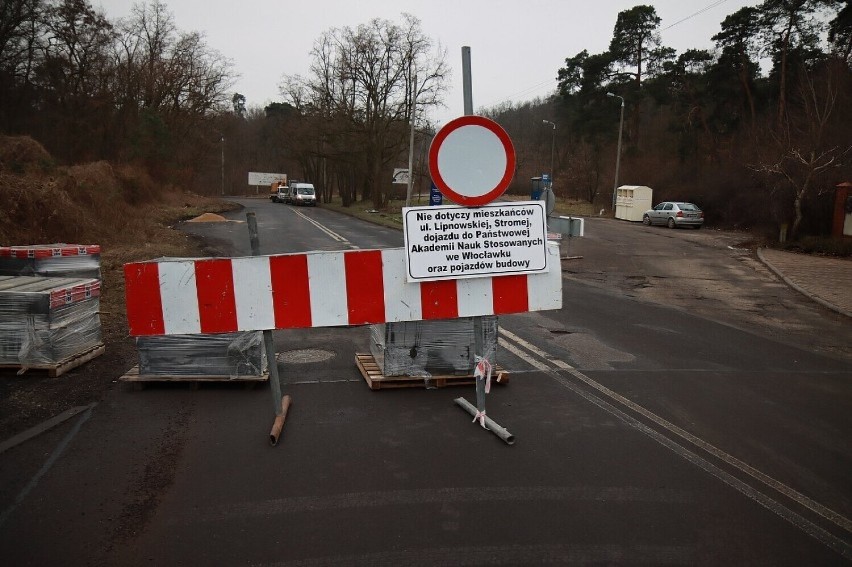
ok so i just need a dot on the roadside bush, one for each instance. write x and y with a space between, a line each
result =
92 184
137 187
841 247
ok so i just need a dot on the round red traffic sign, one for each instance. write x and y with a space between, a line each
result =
472 160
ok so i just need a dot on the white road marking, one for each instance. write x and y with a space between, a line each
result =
325 229
768 502
54 456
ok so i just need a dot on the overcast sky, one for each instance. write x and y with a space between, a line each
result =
517 46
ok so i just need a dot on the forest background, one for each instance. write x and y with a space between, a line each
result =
757 146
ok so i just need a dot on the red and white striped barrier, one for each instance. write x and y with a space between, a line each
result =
74 293
49 250
317 289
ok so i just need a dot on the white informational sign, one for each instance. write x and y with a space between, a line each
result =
255 178
400 176
451 242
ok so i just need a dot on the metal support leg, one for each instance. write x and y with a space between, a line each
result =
279 404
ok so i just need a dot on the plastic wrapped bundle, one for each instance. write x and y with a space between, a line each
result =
422 348
44 321
229 355
51 260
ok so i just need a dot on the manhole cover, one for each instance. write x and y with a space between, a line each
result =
304 356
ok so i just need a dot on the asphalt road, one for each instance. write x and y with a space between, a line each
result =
682 408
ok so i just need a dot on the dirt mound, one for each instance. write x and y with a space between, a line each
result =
34 210
119 207
20 154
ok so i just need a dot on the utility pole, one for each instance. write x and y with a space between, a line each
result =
223 164
618 154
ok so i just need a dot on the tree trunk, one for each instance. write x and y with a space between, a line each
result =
797 204
746 88
797 219
782 95
714 153
639 67
378 194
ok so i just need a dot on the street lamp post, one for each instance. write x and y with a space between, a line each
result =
552 146
547 193
618 154
223 165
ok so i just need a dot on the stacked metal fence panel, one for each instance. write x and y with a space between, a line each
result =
47 320
228 355
51 260
419 348
224 356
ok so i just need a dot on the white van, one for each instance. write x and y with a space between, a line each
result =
303 194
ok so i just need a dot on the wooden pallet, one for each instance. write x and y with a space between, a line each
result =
55 369
193 380
376 380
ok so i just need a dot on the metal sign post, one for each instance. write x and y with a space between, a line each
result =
472 161
280 404
411 142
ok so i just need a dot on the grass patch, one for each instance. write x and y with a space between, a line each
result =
563 207
391 216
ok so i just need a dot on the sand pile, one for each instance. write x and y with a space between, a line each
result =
208 217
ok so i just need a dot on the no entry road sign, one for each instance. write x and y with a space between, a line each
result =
472 160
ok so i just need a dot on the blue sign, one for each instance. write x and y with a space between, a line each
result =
545 177
435 196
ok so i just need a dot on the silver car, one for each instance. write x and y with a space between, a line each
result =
674 214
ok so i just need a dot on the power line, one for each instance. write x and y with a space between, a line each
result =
552 82
701 11
549 83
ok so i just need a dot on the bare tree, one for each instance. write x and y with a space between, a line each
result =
164 68
71 79
167 82
586 170
76 58
362 84
21 31
20 21
803 148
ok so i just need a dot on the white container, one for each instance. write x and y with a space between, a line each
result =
631 202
